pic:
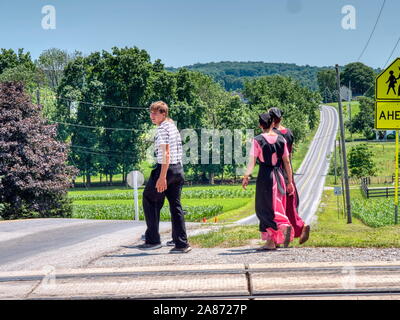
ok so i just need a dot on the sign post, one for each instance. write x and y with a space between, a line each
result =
135 179
396 184
338 192
387 114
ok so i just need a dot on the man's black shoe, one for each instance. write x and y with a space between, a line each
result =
170 243
180 250
148 246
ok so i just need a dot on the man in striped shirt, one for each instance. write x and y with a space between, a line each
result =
166 180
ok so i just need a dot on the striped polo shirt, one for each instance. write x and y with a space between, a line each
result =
167 133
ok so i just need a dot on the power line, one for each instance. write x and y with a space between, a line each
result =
115 106
394 49
96 127
390 57
373 30
101 150
101 105
103 154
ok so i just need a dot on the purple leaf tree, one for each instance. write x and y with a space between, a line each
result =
34 175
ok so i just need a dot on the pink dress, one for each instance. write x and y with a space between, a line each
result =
292 201
271 193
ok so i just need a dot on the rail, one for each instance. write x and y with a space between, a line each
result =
378 192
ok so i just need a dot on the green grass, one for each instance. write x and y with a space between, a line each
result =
226 237
239 213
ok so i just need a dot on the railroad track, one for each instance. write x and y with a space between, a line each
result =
239 282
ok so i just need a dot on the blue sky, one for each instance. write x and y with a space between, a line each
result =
183 32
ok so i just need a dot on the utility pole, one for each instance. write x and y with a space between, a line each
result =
335 163
349 100
343 145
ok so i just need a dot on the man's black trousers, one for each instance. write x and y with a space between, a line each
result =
153 201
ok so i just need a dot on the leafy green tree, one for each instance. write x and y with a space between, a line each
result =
360 161
11 59
53 62
125 74
327 84
31 78
299 104
100 90
364 122
361 77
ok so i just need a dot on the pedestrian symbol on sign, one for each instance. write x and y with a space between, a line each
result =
388 83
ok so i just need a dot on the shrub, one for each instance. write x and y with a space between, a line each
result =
33 170
360 161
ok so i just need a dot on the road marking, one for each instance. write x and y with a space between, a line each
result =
309 201
316 163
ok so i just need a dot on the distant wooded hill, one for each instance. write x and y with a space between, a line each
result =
231 75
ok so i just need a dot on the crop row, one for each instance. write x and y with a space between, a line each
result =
126 212
374 212
186 194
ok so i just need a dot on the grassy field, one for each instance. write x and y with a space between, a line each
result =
354 108
384 158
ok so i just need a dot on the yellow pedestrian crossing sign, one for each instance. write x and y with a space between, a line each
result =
388 83
387 113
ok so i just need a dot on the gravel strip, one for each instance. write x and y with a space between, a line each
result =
131 256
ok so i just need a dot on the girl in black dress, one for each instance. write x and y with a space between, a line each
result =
271 152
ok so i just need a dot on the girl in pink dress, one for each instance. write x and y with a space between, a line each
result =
271 152
301 230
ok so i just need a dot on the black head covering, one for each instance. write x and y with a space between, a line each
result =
276 113
266 117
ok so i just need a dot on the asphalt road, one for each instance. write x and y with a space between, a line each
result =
67 243
310 177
